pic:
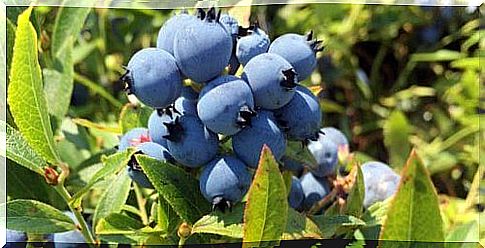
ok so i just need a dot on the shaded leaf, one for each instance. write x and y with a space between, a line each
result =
440 55
227 224
114 197
166 218
298 226
414 213
19 151
10 42
266 210
132 116
396 135
464 236
120 228
355 200
177 187
26 99
297 152
336 224
36 217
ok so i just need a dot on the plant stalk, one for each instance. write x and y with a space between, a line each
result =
141 204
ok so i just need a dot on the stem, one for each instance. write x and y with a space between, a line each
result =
84 227
182 242
97 89
141 204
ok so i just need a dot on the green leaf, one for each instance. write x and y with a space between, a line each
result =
36 217
166 218
112 165
97 88
176 186
68 24
266 210
464 236
26 99
10 42
82 51
120 228
114 197
296 151
440 55
59 82
414 213
97 126
132 116
336 224
227 224
298 226
396 135
355 199
20 152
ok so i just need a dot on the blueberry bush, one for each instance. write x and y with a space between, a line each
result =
251 125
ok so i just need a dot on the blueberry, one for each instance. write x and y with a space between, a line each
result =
314 189
69 239
380 182
153 150
185 106
189 93
226 105
224 181
302 116
248 143
296 196
14 237
325 153
190 142
272 80
153 77
203 48
166 35
232 26
156 129
257 42
299 51
133 138
334 135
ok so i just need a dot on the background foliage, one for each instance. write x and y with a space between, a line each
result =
392 78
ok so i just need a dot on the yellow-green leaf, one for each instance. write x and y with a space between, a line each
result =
396 135
414 214
266 210
355 200
25 92
227 224
132 116
298 226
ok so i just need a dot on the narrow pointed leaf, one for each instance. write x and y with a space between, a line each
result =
36 217
355 200
25 92
414 213
177 187
20 152
267 205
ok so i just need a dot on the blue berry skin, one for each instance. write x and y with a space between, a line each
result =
224 181
156 129
302 116
252 45
335 135
133 138
248 143
380 182
185 106
166 35
15 237
272 80
325 153
230 24
225 105
153 77
189 93
69 239
296 196
190 142
153 150
314 189
299 51
203 49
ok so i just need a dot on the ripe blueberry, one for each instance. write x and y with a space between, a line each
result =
224 181
153 77
232 27
226 105
203 48
272 80
190 142
380 182
153 150
299 51
133 138
314 189
166 35
302 116
257 42
185 106
248 143
156 129
296 196
325 153
15 237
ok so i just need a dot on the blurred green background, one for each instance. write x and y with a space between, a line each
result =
390 77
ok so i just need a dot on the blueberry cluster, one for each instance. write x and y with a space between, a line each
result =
266 105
